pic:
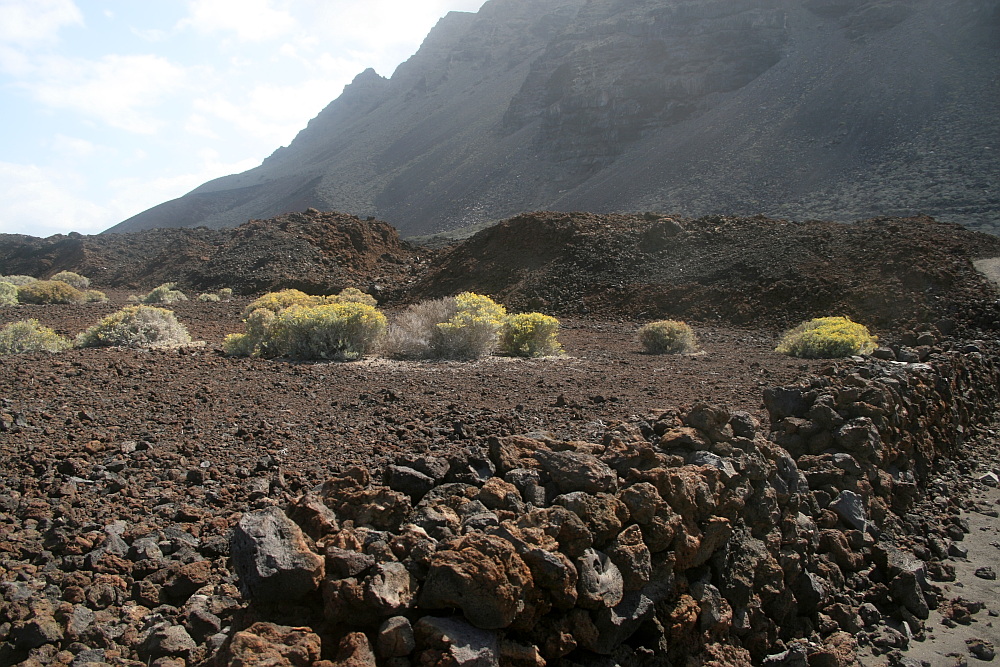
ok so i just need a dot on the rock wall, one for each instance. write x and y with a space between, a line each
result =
696 533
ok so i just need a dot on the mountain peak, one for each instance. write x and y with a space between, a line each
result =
835 109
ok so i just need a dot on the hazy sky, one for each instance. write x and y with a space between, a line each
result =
112 106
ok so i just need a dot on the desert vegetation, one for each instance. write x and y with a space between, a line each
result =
136 326
668 337
827 338
30 336
166 293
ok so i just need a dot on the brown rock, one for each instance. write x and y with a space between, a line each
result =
483 576
602 513
355 650
270 645
632 556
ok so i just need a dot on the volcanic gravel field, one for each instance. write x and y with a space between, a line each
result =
125 472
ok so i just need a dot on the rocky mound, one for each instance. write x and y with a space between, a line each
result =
312 251
884 271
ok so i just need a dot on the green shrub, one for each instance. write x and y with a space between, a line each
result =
668 337
8 294
331 331
30 336
253 342
827 338
17 281
209 297
226 294
472 331
278 301
95 296
49 291
352 295
286 298
165 293
530 335
136 326
72 279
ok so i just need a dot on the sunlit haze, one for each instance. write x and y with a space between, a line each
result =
111 107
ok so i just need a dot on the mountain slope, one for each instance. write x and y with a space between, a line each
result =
834 109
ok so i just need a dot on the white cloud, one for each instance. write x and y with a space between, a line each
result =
31 22
271 112
249 20
41 202
115 89
134 194
72 147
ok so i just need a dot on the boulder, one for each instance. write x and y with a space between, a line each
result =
600 582
272 645
483 576
271 557
453 641
574 471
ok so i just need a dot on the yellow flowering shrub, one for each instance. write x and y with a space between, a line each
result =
668 337
530 335
30 336
286 298
827 338
339 331
472 331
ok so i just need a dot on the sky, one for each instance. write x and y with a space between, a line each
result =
110 107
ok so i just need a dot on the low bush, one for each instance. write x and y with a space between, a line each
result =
253 341
472 331
49 291
95 296
30 336
668 337
17 280
827 338
286 298
136 326
409 336
8 294
352 295
224 294
530 335
341 331
72 279
165 293
278 301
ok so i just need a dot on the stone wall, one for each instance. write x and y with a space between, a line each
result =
691 533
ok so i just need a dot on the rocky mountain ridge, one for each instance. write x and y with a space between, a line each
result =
833 109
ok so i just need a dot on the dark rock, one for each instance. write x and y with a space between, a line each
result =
409 481
986 572
395 638
271 558
573 471
463 645
600 582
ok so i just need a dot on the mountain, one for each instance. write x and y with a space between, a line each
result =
832 109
